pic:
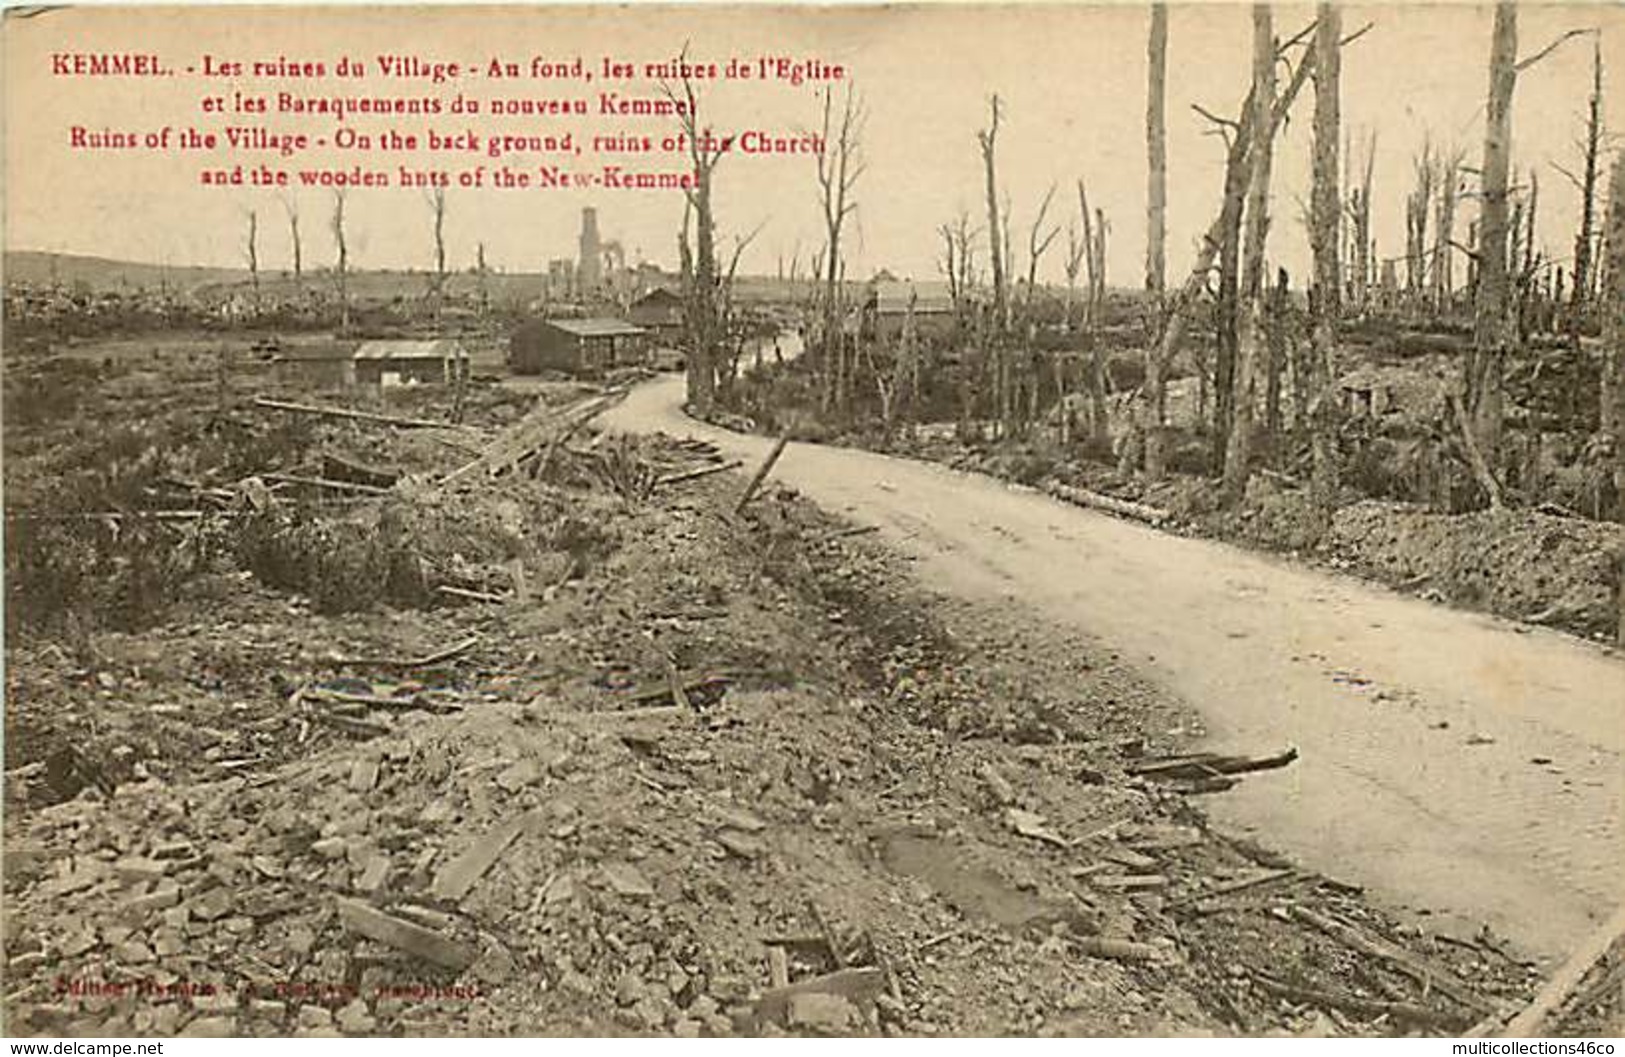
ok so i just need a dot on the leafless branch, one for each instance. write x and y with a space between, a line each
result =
1524 64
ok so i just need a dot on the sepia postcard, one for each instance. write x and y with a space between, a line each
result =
915 520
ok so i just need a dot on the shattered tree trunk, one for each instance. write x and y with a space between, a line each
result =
1613 393
1325 209
1153 393
988 139
1226 312
1588 196
1251 338
1156 150
1094 251
1492 294
1276 351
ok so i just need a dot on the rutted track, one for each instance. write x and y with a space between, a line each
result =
1454 763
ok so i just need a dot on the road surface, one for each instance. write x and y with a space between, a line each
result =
1456 765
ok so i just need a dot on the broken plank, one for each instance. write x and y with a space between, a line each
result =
1128 882
472 596
860 986
403 935
323 482
703 471
457 878
437 657
1563 982
1240 884
761 475
416 702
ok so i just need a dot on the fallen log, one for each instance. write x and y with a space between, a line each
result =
359 416
703 471
436 657
1364 1007
1111 504
761 474
1117 950
417 702
1240 884
350 725
1418 969
847 533
323 482
1207 764
336 467
472 596
1551 997
403 935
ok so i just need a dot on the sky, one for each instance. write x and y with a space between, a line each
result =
1071 77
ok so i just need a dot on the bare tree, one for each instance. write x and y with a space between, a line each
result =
1586 184
251 251
1094 241
1249 348
701 280
437 282
1444 246
1324 208
1494 326
1038 244
998 250
1425 168
341 265
839 167
1359 216
1613 391
1156 150
988 139
290 206
1076 249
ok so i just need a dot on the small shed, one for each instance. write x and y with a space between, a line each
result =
660 310
391 363
889 303
576 346
326 365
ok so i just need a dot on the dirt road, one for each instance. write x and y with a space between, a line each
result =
1455 764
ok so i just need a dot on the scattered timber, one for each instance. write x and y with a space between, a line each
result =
1363 1007
358 416
1424 973
703 471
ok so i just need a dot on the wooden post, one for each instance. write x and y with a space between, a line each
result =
761 475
